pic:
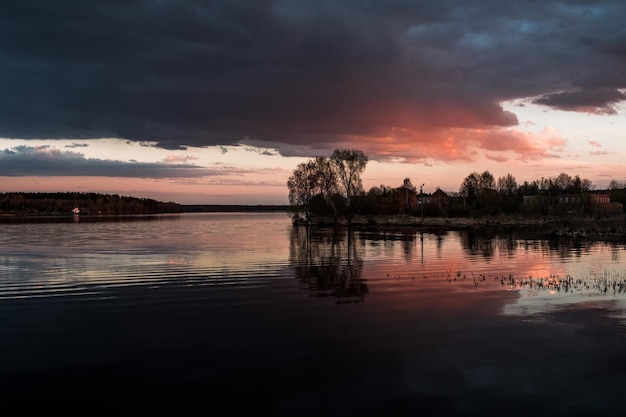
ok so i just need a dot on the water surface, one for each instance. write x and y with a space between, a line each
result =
237 312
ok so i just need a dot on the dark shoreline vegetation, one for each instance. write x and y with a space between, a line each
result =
327 190
26 207
51 206
58 204
24 204
611 229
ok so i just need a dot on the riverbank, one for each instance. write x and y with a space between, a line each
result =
609 229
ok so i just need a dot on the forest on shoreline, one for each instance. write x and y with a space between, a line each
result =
329 189
50 205
64 203
90 204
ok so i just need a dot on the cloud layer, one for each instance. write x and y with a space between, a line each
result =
396 78
45 160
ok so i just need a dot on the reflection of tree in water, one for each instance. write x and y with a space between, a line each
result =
405 235
477 242
570 248
329 262
561 248
486 242
615 254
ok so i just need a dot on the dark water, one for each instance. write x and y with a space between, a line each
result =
218 314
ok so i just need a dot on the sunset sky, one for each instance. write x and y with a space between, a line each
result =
217 102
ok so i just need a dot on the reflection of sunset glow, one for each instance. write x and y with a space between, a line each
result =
401 264
390 267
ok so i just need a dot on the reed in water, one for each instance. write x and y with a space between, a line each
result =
607 282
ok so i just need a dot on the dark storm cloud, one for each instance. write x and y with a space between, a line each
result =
200 73
44 161
592 100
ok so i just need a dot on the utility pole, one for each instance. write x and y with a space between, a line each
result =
406 195
422 201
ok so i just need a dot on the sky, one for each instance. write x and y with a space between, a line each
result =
217 102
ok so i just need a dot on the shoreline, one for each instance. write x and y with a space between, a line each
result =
612 229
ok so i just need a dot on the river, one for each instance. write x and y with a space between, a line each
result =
225 313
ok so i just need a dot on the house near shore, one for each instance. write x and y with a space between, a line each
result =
407 199
569 204
600 198
597 204
601 205
439 199
410 200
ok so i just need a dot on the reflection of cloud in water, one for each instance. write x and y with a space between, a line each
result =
543 295
532 303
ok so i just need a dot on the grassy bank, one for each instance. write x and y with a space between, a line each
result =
610 229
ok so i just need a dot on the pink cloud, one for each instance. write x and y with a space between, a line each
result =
459 144
526 145
594 143
496 158
174 159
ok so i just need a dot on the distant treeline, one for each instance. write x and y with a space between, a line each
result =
20 203
331 188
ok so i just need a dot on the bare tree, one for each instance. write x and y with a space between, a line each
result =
486 181
327 177
563 182
585 184
327 181
574 185
303 185
349 164
470 185
507 184
408 184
